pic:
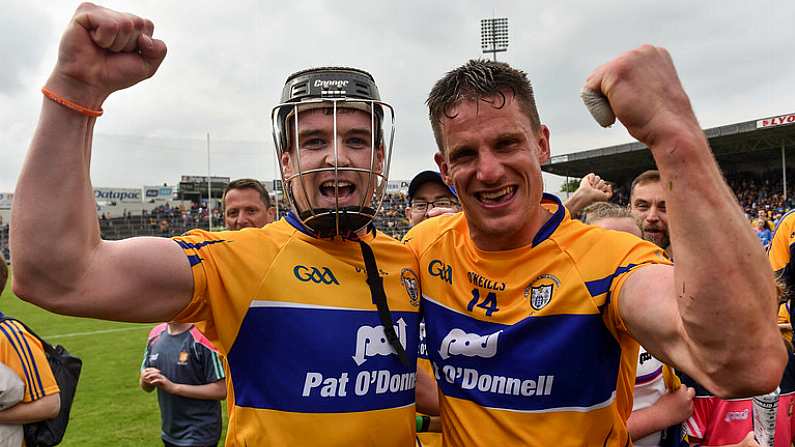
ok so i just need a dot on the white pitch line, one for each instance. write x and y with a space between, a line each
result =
104 331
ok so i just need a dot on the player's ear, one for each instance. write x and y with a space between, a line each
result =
441 162
542 141
285 161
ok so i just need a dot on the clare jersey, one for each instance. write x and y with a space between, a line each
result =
527 345
24 354
308 359
780 253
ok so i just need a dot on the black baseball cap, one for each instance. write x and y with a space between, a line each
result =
427 177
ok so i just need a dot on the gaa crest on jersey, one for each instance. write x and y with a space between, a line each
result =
409 280
540 291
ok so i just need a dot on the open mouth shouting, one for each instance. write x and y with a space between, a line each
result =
344 190
496 198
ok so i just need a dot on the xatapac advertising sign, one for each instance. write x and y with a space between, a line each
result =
117 195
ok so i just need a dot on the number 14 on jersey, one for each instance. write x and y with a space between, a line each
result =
489 303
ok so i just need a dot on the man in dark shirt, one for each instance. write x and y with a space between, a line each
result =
187 372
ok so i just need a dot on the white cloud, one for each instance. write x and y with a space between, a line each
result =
227 63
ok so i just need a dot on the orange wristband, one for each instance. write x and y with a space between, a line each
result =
70 104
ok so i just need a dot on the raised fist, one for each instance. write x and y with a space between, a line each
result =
102 51
595 189
645 94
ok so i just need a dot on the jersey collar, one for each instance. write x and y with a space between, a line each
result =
553 222
298 225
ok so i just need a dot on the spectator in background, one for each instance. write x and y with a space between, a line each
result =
429 196
427 191
187 372
592 189
765 217
247 204
780 257
23 354
647 205
660 403
762 231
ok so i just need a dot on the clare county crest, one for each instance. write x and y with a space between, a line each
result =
540 296
412 285
541 290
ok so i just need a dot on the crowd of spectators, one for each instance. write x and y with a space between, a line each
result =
760 197
169 220
165 220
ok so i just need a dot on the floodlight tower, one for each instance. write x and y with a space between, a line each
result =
494 35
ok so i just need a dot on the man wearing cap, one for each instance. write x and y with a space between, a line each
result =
429 196
317 314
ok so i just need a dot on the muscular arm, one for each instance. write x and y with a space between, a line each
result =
713 315
41 409
60 263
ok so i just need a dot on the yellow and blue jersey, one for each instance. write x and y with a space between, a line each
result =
308 360
24 354
528 345
780 253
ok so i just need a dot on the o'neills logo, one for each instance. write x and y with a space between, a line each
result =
337 84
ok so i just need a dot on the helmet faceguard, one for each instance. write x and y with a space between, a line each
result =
330 135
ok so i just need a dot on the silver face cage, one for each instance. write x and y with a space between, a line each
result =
343 221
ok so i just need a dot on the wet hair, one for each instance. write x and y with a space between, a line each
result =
480 80
249 183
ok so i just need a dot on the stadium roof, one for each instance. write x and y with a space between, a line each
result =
752 146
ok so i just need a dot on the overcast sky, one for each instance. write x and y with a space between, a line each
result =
227 62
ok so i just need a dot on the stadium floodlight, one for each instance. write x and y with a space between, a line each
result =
494 35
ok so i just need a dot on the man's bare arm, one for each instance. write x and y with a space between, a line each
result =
712 316
670 409
60 263
41 409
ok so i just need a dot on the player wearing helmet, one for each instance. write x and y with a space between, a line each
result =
316 314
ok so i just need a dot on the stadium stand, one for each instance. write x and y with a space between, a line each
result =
751 155
171 219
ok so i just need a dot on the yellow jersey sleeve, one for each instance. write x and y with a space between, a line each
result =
639 254
228 268
783 237
23 353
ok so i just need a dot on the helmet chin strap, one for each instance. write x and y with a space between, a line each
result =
323 221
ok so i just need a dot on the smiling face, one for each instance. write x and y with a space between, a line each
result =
243 208
324 189
493 157
647 205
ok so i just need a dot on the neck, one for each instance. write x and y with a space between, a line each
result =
522 237
175 328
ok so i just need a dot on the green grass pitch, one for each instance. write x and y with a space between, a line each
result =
110 408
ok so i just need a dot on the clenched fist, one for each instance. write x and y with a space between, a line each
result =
102 51
646 95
